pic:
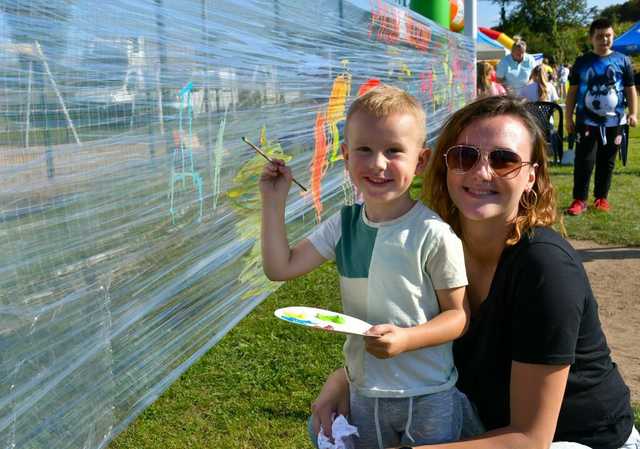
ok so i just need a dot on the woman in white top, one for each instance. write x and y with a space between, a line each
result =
539 88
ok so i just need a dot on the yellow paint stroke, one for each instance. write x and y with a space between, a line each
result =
336 111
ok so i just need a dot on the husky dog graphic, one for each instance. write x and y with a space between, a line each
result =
601 98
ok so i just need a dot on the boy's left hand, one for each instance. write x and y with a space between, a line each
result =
633 120
386 340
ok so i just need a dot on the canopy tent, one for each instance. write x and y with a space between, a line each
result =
629 42
487 48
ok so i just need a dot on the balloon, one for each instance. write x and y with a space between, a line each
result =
457 15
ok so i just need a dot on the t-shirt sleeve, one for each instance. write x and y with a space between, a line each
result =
574 73
445 259
548 301
325 236
627 73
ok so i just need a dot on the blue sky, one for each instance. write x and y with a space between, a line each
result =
488 12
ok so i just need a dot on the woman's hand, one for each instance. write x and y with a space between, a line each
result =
333 400
386 340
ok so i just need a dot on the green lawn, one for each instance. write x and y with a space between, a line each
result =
253 389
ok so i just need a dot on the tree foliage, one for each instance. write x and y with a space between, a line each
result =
552 27
626 12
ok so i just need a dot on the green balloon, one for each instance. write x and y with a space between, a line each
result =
436 10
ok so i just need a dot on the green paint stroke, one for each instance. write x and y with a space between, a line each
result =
217 160
337 319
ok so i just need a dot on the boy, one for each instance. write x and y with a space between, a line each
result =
600 86
401 268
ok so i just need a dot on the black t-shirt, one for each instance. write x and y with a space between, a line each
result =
540 309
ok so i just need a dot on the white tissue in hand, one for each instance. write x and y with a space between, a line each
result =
341 431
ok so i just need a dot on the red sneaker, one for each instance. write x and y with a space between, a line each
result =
602 204
577 207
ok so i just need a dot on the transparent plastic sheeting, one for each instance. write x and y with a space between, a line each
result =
129 210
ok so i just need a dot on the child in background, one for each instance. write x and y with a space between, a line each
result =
601 87
539 87
486 84
401 268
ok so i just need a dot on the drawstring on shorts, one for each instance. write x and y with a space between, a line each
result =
408 425
378 432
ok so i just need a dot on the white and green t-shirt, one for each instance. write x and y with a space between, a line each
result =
388 274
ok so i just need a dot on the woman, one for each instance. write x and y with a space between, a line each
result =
539 87
534 361
486 85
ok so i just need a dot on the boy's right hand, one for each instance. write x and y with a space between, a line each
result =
275 180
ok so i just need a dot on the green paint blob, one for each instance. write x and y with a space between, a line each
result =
337 319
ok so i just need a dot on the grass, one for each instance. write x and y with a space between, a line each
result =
622 225
254 389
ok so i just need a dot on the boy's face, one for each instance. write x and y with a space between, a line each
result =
602 40
382 156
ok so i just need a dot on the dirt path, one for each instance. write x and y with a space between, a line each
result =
614 273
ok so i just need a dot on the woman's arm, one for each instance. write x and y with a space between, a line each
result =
536 395
333 399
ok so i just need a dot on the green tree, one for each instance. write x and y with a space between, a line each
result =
552 27
625 12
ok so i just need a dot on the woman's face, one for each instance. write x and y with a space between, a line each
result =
479 194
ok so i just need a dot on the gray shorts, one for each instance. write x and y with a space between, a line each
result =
427 419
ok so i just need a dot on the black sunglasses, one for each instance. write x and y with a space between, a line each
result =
504 163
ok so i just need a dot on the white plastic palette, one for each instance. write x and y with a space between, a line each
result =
323 319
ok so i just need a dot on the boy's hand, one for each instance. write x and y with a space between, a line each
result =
386 340
275 180
633 120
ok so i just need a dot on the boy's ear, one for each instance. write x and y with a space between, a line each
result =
423 159
345 151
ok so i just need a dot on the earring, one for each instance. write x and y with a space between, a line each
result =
529 199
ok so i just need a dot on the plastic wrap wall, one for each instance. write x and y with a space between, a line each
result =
128 201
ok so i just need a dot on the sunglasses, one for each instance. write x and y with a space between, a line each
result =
504 163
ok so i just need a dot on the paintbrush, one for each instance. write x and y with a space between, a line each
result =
261 153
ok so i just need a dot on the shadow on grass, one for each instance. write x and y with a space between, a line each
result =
616 253
280 413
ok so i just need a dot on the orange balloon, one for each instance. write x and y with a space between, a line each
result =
456 15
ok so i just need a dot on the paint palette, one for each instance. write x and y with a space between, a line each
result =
323 319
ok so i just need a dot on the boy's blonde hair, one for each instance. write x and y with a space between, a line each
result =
384 100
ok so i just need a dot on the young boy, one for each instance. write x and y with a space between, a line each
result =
401 268
601 84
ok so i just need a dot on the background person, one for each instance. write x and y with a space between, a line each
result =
534 360
485 84
563 79
601 86
514 69
539 87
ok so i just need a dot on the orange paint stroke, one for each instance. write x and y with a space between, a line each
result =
319 163
368 85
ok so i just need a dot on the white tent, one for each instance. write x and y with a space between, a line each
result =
487 48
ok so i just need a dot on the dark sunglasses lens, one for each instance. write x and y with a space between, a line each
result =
462 158
503 161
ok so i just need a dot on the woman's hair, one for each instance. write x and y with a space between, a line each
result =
539 76
483 76
384 100
535 209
